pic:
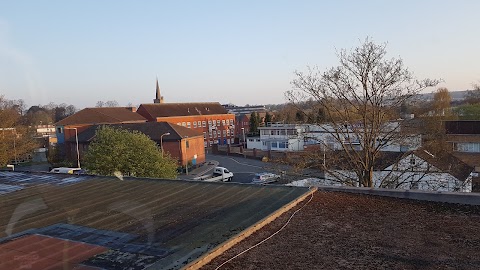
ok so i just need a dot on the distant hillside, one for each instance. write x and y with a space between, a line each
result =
456 95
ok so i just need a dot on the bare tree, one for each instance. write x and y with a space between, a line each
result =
361 97
441 101
473 96
15 141
440 110
109 103
100 104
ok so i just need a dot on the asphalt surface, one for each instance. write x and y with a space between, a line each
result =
244 169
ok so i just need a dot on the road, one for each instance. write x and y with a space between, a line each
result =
244 169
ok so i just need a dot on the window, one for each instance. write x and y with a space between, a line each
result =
224 133
218 122
223 122
231 121
204 135
187 144
232 140
204 123
412 161
214 133
194 124
199 123
228 132
282 145
264 143
179 123
60 130
188 125
274 144
210 134
209 122
184 124
250 140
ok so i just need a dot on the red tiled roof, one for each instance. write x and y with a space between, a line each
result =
105 115
155 110
152 129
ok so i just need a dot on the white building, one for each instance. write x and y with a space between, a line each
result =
419 170
279 137
295 137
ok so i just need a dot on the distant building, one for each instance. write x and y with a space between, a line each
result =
296 137
237 110
464 139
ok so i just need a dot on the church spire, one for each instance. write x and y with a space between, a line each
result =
158 97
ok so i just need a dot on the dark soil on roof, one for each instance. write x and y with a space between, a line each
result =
349 231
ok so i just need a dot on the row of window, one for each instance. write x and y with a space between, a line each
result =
211 123
469 147
279 132
215 134
279 145
225 141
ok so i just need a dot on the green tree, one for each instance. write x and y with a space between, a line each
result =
268 118
468 112
130 153
254 122
300 116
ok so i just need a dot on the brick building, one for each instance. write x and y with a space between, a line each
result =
80 121
183 144
209 118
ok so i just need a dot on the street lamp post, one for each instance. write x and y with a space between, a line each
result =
15 145
161 140
244 143
78 150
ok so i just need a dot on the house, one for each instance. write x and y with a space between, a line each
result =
183 144
463 136
419 169
209 118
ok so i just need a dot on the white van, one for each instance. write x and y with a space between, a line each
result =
67 170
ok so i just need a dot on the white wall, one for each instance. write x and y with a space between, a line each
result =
421 176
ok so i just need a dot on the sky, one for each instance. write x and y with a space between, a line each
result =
240 52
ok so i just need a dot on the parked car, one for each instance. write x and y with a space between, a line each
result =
219 174
68 170
265 178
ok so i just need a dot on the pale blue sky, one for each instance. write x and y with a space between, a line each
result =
79 52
